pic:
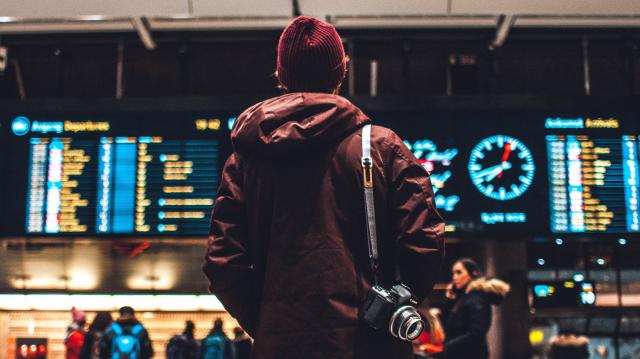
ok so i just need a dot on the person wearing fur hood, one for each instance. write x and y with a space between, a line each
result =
567 345
467 312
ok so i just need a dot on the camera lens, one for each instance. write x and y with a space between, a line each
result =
414 328
406 323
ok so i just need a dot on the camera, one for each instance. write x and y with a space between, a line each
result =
394 310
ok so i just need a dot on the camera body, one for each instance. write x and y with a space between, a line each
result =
393 310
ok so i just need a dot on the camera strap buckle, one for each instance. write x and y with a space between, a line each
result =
367 175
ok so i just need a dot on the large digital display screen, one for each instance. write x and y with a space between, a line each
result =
525 172
509 172
121 185
593 183
136 174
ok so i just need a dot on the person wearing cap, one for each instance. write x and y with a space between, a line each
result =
288 251
75 334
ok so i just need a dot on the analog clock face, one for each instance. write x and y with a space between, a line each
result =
501 167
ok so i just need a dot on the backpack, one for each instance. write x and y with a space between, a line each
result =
213 347
125 345
176 347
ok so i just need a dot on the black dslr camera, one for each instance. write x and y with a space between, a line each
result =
394 310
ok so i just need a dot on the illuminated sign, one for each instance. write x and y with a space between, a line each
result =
47 127
121 185
593 184
203 124
86 126
579 123
438 164
22 125
493 218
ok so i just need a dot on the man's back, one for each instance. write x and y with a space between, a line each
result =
291 205
216 346
126 339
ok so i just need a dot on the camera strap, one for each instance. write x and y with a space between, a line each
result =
370 211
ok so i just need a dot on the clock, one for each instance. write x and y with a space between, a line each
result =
501 167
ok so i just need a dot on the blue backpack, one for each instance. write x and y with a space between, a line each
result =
213 347
125 345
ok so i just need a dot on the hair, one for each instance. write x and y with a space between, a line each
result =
100 322
238 332
126 310
189 328
217 325
470 266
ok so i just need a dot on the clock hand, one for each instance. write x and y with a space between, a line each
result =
488 174
505 155
503 166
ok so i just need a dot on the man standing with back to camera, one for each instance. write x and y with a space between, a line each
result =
288 251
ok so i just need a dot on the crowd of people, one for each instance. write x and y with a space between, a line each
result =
127 338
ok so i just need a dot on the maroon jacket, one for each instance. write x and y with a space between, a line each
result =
288 253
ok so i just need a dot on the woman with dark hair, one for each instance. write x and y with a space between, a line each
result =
467 312
91 345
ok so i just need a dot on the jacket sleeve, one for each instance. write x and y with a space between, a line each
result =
228 264
105 345
230 348
146 348
417 225
479 314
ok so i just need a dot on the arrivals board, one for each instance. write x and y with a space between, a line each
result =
525 172
593 183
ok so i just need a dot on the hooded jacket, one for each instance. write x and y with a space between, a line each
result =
288 253
467 319
569 346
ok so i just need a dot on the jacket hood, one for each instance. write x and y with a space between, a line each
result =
496 289
293 122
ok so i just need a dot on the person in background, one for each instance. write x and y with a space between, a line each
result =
126 338
93 337
75 334
430 342
467 313
287 250
217 345
184 346
242 343
568 345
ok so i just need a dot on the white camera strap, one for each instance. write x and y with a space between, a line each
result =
370 212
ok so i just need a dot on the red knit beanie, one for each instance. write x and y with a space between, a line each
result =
310 56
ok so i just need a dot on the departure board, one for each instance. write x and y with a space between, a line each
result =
106 176
593 183
121 185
